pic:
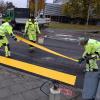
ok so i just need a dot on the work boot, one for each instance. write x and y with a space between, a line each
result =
95 70
86 70
31 51
8 54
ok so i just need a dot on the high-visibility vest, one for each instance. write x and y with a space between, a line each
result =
30 26
6 28
92 46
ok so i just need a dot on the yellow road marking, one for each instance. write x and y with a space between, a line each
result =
45 49
52 74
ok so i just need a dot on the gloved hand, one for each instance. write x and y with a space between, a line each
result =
80 60
16 39
95 56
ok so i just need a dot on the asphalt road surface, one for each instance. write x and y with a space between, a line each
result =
62 41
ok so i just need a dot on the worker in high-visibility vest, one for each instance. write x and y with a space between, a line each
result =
31 30
7 28
91 53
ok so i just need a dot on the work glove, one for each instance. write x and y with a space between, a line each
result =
17 40
80 60
89 57
95 56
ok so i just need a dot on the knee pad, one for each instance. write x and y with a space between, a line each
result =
8 47
4 44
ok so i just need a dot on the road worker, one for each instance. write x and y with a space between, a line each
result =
31 30
91 53
7 28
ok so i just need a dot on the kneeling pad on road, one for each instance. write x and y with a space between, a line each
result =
90 85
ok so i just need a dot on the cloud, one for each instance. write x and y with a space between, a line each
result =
23 3
18 3
49 1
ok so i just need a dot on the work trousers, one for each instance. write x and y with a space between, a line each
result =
4 42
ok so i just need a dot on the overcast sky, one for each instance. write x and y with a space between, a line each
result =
23 3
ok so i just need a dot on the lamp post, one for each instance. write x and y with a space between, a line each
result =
88 15
88 12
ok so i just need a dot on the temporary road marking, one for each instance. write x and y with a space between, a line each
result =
52 74
45 49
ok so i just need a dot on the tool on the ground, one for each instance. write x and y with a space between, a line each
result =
45 49
87 58
55 92
52 74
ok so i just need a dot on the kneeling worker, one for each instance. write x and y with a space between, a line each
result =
91 53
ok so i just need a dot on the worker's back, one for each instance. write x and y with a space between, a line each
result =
92 46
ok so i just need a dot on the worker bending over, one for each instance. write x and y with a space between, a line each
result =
31 30
7 28
91 53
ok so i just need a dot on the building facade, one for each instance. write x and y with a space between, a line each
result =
60 1
53 9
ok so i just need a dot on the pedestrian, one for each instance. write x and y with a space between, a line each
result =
7 28
31 30
91 53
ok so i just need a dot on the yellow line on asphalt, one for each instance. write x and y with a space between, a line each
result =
45 49
52 74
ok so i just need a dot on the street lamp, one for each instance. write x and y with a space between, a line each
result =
89 10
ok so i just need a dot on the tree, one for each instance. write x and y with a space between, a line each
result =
2 6
10 5
32 6
40 5
79 8
96 8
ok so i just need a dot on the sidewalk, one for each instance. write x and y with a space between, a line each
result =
16 85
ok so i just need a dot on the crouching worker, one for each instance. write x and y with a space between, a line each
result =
7 28
91 53
31 30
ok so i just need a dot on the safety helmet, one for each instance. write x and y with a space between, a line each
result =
29 20
12 23
83 40
32 19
